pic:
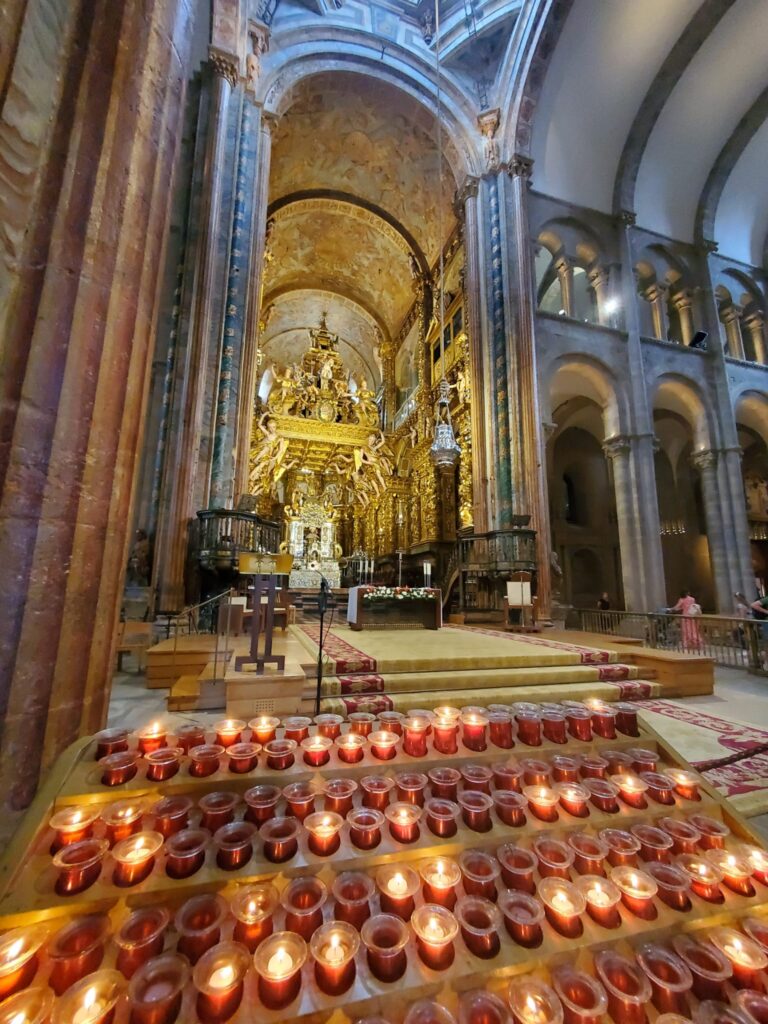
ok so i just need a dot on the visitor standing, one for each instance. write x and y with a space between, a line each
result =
690 609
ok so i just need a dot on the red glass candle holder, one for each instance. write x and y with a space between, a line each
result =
507 775
229 731
476 810
555 858
529 728
198 925
500 730
410 786
156 990
403 822
171 814
626 718
673 884
444 783
391 721
643 759
479 872
190 735
632 789
243 757
592 766
655 843
435 929
670 978
479 922
119 768
589 853
579 723
747 958
565 768
300 797
447 713
758 861
756 928
280 754
303 900
477 777
713 832
661 788
442 817
20 951
263 728
350 748
582 997
185 852
329 725
76 950
385 937
253 908
78 866
376 790
685 837
397 887
361 723
574 799
122 819
365 827
480 1007
217 809
542 802
219 977
754 1005
735 869
533 1002
564 906
278 962
687 784
339 794
619 763
141 938
554 726
704 877
604 722
602 897
352 893
72 825
163 763
296 728
623 848
323 830
523 916
135 858
383 744
234 844
261 804
439 880
151 737
316 750
110 741
536 772
626 986
510 807
445 738
92 1000
205 760
415 731
30 1006
474 731
334 947
517 867
709 968
638 890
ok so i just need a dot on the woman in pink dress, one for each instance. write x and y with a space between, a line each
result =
689 608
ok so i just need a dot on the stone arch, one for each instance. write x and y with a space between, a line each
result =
682 396
751 411
588 378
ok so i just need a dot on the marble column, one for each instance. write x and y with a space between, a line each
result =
755 325
564 272
656 296
598 281
706 462
731 318
181 467
93 174
683 303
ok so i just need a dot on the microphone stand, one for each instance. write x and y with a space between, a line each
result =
322 606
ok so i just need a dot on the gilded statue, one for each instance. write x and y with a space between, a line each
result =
268 460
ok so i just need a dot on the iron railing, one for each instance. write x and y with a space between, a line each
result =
223 534
727 639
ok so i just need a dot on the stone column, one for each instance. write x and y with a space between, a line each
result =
706 462
656 296
731 317
683 303
755 324
565 275
598 280
79 301
180 470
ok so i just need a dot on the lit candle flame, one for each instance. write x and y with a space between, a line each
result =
280 963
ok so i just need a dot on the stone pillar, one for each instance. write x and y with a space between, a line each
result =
181 465
706 462
731 317
755 324
79 300
565 275
683 302
656 296
598 280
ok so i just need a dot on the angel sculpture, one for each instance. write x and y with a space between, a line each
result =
268 463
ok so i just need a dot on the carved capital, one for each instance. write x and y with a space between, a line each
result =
683 300
520 166
467 190
628 218
619 444
709 245
704 459
224 65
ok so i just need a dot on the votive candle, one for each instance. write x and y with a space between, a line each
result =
261 803
303 900
352 892
480 922
110 741
589 853
510 807
323 832
350 747
333 947
205 760
713 831
219 977
440 877
517 867
156 990
281 839
479 871
500 730
476 810
135 858
217 809
637 891
376 790
384 743
626 986
444 782
263 728
76 950
704 876
78 866
198 924
582 997
670 978
385 937
660 787
523 915
278 962
554 857
534 1002
415 736
735 869
410 786
296 728
122 819
710 969
687 784
190 735
229 731
92 1000
435 929
542 801
673 884
655 843
397 886
626 718
185 852
529 728
300 797
20 957
280 754
403 821
329 725
243 757
171 814
163 763
361 723
573 798
632 789
317 750
365 827
339 794
602 897
119 768
151 737
71 825
253 908
563 904
553 724
623 848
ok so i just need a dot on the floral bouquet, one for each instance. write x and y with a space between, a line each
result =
399 594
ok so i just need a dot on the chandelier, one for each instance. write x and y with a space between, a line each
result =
444 450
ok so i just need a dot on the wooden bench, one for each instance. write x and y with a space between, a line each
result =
134 638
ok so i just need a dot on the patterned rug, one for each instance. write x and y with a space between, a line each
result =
587 655
344 656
